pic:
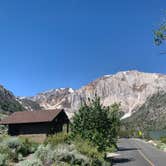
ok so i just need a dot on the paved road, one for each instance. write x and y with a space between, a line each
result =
135 152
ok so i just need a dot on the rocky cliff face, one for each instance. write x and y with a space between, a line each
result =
29 104
55 98
130 88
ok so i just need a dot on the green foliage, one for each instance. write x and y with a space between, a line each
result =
12 146
12 142
27 147
147 135
10 106
20 145
3 128
45 154
127 132
161 146
8 103
160 34
163 140
96 123
62 154
69 154
87 148
15 148
56 139
4 160
78 152
66 155
9 154
74 152
143 118
32 162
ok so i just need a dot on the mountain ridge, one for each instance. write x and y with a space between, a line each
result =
130 88
139 94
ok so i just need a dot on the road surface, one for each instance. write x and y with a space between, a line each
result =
135 152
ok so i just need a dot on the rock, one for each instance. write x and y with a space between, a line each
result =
129 88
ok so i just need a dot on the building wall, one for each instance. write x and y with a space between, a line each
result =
39 128
29 128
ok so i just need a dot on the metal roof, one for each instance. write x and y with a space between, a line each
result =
31 116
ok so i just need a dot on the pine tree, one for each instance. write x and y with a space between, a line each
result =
97 123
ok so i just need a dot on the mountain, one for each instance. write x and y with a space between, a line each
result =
8 102
129 88
29 105
142 97
54 98
151 115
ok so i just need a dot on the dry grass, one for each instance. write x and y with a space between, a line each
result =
38 138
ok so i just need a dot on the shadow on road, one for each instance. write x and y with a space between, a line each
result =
127 149
121 160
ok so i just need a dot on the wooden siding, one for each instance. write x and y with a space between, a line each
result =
39 128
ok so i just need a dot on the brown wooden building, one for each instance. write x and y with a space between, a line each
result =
36 122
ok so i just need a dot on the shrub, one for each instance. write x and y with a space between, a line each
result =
4 149
11 147
27 146
68 153
15 148
86 148
3 130
96 123
161 146
45 154
65 155
56 139
62 154
163 140
32 162
4 160
112 148
12 142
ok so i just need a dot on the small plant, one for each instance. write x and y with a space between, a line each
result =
69 154
161 146
87 148
15 148
4 160
62 155
45 154
12 142
32 162
27 146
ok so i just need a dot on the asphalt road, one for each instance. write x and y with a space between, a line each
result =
135 152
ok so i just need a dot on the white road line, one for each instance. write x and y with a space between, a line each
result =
144 156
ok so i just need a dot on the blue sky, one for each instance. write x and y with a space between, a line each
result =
47 44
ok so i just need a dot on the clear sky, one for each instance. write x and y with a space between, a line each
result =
47 44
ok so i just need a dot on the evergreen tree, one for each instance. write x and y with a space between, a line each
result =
96 123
